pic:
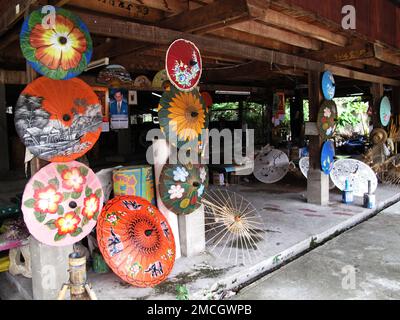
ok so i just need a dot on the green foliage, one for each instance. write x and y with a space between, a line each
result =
228 111
351 111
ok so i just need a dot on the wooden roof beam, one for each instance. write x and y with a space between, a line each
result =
210 17
262 30
110 27
277 19
385 55
128 10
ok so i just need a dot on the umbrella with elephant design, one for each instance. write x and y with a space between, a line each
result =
136 241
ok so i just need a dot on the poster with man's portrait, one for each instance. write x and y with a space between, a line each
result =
119 108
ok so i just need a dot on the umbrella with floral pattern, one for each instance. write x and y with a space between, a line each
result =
182 187
183 64
61 203
326 121
136 241
59 50
182 117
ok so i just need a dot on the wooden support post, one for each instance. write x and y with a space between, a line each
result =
317 182
377 93
297 118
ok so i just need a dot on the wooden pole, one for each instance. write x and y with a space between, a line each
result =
377 93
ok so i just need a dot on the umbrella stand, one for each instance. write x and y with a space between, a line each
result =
79 288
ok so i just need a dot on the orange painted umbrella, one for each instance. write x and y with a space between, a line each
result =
136 241
58 120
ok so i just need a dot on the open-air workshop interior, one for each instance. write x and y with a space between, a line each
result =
97 95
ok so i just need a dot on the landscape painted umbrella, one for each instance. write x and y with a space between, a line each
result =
61 203
183 64
182 117
182 187
136 241
59 49
58 121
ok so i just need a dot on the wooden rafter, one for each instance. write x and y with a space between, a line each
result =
262 30
130 30
287 22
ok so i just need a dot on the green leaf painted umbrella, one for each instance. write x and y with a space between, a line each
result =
59 49
182 187
182 117
61 203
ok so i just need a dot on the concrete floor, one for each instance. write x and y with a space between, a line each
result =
292 226
363 263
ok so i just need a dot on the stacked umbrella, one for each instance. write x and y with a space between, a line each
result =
58 117
183 119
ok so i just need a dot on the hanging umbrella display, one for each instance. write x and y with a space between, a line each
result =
328 85
114 76
160 80
57 120
60 49
326 121
327 157
183 64
61 203
385 111
234 228
136 241
271 165
182 116
357 172
182 187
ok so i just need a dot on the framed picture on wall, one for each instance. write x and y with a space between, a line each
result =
132 97
102 93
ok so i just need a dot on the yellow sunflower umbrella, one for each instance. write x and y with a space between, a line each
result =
59 50
182 116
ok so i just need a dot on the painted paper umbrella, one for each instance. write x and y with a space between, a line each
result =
136 241
327 157
328 85
58 121
160 80
271 166
385 111
59 48
182 116
358 174
326 121
182 187
115 76
61 203
183 64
